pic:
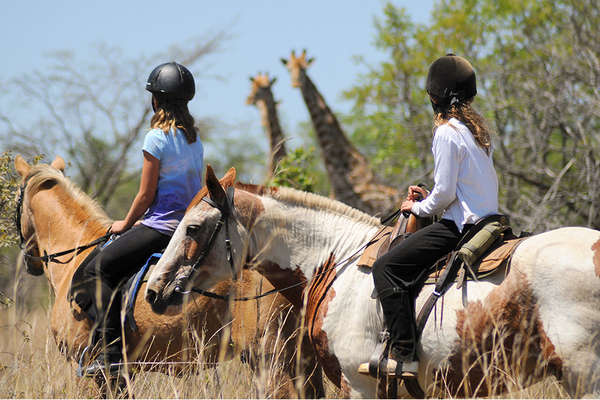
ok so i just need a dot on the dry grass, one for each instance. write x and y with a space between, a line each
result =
31 366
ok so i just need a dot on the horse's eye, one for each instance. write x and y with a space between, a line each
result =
192 230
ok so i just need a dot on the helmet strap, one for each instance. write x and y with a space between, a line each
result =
443 105
439 108
154 102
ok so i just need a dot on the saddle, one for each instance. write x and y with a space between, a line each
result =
480 263
128 289
389 237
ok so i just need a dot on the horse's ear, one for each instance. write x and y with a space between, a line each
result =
21 166
58 163
229 178
216 191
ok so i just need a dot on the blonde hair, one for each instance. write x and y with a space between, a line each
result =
171 115
472 119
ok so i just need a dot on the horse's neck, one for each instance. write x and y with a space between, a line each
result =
62 224
300 239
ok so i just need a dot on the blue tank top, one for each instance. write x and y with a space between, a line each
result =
180 177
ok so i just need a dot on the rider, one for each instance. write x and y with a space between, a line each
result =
465 190
173 158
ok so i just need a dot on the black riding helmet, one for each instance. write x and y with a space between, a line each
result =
451 79
171 81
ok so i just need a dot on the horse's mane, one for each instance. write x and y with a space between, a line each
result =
291 196
320 203
42 173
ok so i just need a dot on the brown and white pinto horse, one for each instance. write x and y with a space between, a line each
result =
539 316
56 216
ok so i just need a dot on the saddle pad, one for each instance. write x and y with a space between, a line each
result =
495 258
371 252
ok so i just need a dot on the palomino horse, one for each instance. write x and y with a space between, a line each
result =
56 215
539 316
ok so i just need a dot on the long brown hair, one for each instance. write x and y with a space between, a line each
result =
464 112
170 115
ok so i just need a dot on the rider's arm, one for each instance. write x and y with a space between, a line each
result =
447 154
145 195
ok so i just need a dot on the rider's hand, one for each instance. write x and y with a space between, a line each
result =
119 226
406 206
414 192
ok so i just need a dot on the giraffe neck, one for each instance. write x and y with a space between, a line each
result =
270 120
342 160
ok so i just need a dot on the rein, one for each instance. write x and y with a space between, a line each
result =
46 258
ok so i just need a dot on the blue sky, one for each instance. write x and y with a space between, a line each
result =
261 33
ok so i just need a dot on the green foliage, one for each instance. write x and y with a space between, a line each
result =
9 189
537 69
9 186
297 170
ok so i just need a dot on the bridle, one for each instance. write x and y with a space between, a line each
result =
226 211
46 258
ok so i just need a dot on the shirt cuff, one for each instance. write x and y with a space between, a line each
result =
416 208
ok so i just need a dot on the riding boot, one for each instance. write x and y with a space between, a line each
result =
399 316
106 341
108 354
395 355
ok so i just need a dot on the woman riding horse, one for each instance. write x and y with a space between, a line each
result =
465 190
171 176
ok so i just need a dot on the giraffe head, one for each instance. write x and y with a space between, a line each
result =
297 67
261 85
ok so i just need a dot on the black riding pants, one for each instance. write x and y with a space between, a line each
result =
399 276
118 261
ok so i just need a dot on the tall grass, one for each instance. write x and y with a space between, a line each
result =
31 366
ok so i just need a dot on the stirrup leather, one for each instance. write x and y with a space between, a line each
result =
378 361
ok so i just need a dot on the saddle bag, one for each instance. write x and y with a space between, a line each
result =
482 240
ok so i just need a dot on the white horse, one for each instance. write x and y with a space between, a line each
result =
540 315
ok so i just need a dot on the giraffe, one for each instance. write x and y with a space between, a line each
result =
262 97
352 180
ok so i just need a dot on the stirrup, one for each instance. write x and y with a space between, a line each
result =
378 363
407 369
96 366
80 372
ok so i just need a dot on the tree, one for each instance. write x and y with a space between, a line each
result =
93 112
538 68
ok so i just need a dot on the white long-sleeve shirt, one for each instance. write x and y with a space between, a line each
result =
466 185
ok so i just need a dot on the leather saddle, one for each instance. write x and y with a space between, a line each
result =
492 259
128 289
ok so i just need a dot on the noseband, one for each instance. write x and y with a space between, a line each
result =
226 211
